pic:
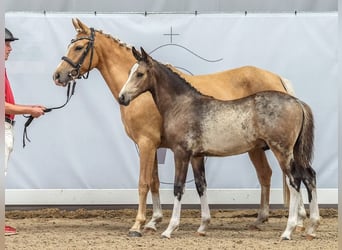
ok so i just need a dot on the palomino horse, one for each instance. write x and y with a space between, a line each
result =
142 121
196 125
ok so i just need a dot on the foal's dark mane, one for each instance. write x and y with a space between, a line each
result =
178 77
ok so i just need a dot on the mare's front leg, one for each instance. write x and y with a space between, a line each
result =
201 186
264 173
147 153
181 164
157 215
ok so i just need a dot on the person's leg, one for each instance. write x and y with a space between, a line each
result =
8 149
8 143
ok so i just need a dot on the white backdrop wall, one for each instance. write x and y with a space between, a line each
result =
81 154
172 6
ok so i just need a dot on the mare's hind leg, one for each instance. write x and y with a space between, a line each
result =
157 215
201 186
264 173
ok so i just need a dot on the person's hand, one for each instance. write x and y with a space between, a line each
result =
37 110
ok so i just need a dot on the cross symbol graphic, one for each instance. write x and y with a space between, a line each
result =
171 34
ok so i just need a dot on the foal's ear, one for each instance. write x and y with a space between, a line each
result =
145 56
136 54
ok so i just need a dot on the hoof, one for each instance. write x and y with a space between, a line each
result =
254 228
150 230
310 237
300 229
134 234
284 238
165 236
202 234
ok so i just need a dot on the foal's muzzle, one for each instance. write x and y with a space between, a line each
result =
124 100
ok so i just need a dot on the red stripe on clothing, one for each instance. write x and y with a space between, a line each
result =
9 97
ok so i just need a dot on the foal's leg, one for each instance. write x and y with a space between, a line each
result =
309 179
157 215
314 216
147 153
295 198
301 210
307 175
201 186
264 172
286 161
301 215
181 164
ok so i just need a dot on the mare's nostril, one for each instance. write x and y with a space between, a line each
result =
56 76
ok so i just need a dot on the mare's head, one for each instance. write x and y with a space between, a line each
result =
80 58
140 78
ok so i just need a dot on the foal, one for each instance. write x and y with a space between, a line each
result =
195 125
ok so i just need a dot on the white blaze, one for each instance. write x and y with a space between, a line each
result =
133 69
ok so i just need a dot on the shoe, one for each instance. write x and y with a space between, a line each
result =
10 230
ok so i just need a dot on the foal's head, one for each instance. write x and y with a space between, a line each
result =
140 78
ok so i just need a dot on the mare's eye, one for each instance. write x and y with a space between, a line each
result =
79 48
139 74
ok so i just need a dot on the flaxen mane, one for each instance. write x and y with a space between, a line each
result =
116 40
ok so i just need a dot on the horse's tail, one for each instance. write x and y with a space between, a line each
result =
303 149
303 152
287 86
286 191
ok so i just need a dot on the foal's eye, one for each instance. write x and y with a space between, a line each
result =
79 47
139 74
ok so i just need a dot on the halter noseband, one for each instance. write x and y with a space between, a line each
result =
75 73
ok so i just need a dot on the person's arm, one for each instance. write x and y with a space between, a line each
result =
19 109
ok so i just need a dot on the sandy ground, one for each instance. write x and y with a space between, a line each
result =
107 229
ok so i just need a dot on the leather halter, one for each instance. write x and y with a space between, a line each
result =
75 73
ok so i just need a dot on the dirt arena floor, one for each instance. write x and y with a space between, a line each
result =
59 229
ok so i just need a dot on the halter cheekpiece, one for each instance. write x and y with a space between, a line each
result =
75 72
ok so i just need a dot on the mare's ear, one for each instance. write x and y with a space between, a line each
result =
136 54
80 27
146 58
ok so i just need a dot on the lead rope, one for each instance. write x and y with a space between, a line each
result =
30 118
